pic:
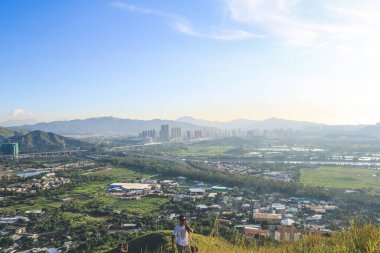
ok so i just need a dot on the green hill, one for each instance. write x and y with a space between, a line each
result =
357 239
160 242
39 141
9 132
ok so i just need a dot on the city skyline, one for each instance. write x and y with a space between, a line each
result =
216 60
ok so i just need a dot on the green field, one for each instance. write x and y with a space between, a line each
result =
97 191
201 151
343 178
121 174
33 204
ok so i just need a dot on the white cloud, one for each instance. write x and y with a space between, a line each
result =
181 25
342 24
345 25
277 18
133 8
282 19
17 113
227 35
341 40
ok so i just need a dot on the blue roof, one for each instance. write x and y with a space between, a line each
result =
114 186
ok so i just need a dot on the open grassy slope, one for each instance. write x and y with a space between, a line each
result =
364 239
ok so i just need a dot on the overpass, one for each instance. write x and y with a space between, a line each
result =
44 154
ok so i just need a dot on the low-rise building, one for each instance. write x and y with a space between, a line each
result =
287 222
255 232
218 189
197 191
133 187
268 217
212 195
286 233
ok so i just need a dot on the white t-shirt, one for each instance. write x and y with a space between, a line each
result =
181 235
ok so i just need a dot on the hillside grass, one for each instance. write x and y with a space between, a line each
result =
5 132
364 239
343 178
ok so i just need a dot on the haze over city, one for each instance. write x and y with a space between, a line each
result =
216 60
212 126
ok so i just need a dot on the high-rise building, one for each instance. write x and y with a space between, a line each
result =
149 133
164 133
188 135
198 134
176 133
9 149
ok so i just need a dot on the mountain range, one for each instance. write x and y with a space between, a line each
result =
106 126
39 141
9 132
277 123
118 126
13 122
267 124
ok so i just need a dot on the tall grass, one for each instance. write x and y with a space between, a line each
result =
357 239
364 239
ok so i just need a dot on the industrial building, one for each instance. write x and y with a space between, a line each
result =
218 189
9 149
133 187
197 191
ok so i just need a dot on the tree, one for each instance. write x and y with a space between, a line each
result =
6 242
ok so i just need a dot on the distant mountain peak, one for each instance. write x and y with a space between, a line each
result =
270 123
108 126
14 123
184 118
40 141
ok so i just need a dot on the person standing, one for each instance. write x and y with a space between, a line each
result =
181 235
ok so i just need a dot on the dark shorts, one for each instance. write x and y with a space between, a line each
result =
183 249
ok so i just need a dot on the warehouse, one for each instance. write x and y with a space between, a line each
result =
133 187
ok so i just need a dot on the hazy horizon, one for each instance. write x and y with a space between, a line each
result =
31 121
218 60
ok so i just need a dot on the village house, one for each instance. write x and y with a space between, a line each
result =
198 192
286 233
267 217
255 232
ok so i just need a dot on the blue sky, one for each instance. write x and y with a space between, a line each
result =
213 59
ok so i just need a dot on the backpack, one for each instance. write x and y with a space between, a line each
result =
194 249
